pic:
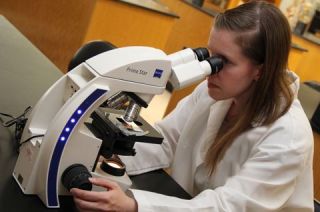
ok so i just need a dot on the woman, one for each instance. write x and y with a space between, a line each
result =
240 141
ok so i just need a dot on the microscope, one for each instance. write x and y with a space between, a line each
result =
91 115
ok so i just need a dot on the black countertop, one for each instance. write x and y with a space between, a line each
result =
309 37
298 47
152 5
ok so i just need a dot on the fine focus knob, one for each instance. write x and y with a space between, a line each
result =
76 176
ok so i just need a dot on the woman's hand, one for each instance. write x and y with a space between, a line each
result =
113 199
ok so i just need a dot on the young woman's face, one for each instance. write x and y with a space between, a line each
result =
237 77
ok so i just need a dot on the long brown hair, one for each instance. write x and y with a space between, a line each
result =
263 33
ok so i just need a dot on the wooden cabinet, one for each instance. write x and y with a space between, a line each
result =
234 3
316 165
192 29
126 25
306 64
57 27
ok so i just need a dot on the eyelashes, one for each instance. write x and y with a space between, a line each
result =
225 60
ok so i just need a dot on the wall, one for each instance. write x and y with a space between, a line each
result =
125 25
307 65
191 30
56 27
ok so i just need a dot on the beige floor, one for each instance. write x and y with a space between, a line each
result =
156 108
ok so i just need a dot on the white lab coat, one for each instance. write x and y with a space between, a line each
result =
268 168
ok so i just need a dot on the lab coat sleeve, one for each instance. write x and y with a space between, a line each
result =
154 156
264 182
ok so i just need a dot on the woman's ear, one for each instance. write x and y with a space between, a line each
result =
258 72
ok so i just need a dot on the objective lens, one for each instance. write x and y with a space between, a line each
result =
132 112
117 100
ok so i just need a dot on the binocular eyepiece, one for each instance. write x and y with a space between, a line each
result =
216 62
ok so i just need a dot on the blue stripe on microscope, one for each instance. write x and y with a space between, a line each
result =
60 144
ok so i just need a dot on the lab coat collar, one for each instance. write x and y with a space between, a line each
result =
217 114
295 85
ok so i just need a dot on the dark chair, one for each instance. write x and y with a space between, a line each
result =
89 50
316 206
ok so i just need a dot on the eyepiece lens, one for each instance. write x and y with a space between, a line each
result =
202 53
216 64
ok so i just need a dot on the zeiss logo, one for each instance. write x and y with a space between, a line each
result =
158 73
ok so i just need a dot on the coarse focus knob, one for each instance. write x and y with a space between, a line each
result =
76 176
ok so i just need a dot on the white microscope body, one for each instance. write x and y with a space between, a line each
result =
61 112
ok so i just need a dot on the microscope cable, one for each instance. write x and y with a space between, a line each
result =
19 123
29 139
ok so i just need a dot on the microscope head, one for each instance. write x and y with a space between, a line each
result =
192 65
